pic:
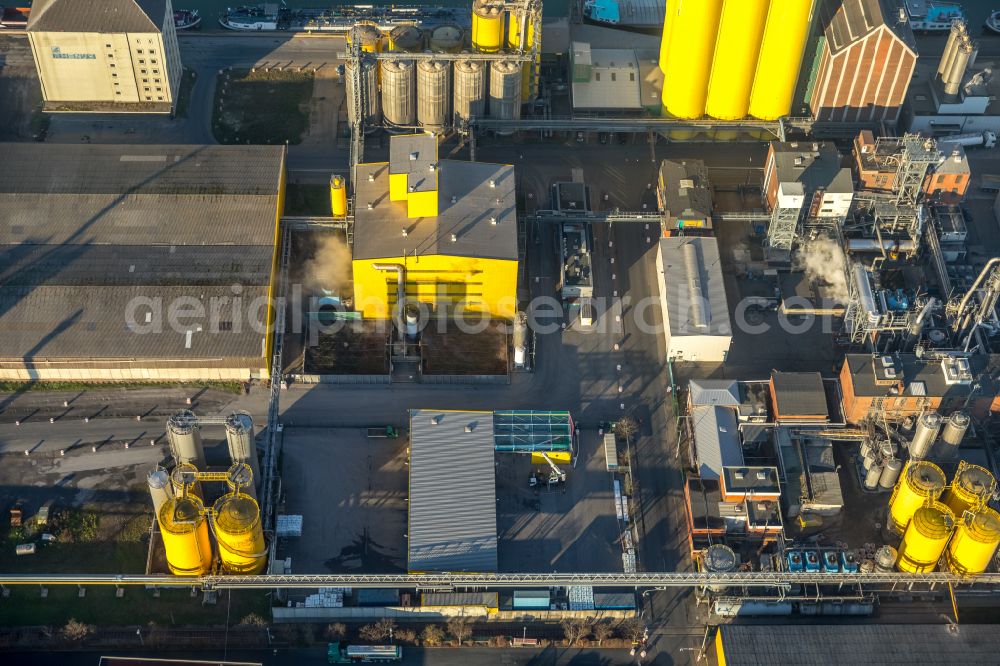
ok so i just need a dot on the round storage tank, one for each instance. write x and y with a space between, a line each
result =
928 426
338 196
239 533
371 108
367 35
399 93
184 438
433 94
975 543
487 25
952 435
925 538
719 558
505 91
240 439
185 536
470 91
920 483
241 479
447 38
529 70
693 32
885 559
969 488
160 489
872 476
183 481
406 39
890 473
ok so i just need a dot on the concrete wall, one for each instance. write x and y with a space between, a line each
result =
485 285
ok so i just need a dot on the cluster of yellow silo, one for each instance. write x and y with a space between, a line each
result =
186 525
489 20
732 58
937 520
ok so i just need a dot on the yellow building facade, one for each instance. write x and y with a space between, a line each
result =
87 62
449 226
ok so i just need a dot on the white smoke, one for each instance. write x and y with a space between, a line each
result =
824 263
330 267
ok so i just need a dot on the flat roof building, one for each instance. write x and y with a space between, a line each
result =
614 80
451 225
137 263
684 195
112 56
693 299
827 185
716 441
453 513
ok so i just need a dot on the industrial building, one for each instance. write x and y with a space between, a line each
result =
876 163
441 232
452 501
827 185
732 58
115 56
684 195
137 263
904 384
614 80
943 643
693 302
866 61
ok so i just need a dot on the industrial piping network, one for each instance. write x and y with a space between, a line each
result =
445 581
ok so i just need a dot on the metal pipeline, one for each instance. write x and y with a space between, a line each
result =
873 245
400 271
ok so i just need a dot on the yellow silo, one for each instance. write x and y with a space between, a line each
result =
668 24
487 25
185 536
689 60
741 30
529 70
925 538
781 51
920 483
239 534
970 486
338 196
975 542
367 35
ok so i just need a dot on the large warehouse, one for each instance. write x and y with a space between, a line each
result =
450 225
110 56
453 513
137 263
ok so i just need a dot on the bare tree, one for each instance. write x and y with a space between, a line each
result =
76 630
253 620
575 630
631 630
432 635
602 631
626 427
378 631
405 636
460 628
335 631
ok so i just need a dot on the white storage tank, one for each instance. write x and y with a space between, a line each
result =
470 91
433 94
371 106
505 90
399 93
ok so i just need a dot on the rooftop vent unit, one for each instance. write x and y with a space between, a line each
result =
762 475
956 371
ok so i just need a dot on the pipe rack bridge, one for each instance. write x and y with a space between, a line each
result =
776 129
896 580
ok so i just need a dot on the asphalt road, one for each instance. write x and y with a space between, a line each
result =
438 657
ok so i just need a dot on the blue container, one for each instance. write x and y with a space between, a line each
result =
849 562
831 562
795 561
813 562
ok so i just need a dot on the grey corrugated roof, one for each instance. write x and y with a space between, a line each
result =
453 518
439 599
717 440
59 168
378 231
54 322
723 392
869 643
103 16
675 278
799 394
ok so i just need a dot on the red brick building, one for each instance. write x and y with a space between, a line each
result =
866 62
875 167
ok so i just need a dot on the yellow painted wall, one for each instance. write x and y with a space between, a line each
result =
740 33
785 36
397 187
689 61
484 285
422 204
720 652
